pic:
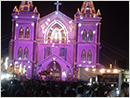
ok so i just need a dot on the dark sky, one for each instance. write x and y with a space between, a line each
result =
114 28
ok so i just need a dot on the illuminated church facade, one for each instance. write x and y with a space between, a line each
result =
55 42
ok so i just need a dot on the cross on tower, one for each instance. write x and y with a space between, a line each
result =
57 5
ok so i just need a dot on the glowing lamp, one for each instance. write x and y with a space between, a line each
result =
29 66
117 92
17 25
81 17
70 21
115 70
86 69
112 85
94 32
63 74
87 35
79 24
16 62
46 23
33 16
48 20
84 61
94 16
96 24
16 16
68 40
92 66
28 61
87 8
89 62
56 12
79 64
81 32
94 69
32 24
108 70
54 58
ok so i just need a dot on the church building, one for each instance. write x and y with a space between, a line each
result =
55 42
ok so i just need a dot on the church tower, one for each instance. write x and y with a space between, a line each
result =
23 38
87 36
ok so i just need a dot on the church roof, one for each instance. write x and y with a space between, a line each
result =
54 13
57 57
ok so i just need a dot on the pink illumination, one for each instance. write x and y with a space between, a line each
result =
54 58
56 38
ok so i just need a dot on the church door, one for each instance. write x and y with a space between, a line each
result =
55 69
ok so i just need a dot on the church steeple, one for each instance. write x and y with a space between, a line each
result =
88 7
26 6
87 11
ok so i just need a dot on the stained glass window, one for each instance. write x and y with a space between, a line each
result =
26 53
83 55
20 51
56 33
27 32
48 51
89 55
21 32
62 51
84 35
90 36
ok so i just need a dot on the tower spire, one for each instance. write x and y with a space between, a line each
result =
88 7
26 6
57 5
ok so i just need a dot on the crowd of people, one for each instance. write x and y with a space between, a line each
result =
40 88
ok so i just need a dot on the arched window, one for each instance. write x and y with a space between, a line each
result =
89 55
90 35
56 33
84 35
83 55
21 32
20 52
27 32
26 53
48 51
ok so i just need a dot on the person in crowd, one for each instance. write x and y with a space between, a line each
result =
124 90
113 92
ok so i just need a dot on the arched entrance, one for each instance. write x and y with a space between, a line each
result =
55 69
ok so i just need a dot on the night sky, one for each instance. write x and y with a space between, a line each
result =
114 26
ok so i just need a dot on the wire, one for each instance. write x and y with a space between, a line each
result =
114 51
5 50
5 38
114 47
107 57
6 35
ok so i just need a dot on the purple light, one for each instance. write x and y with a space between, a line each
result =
17 25
16 16
33 16
79 24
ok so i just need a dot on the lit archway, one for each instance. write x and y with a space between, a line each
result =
55 69
56 33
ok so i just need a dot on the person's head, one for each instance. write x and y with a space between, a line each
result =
125 88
